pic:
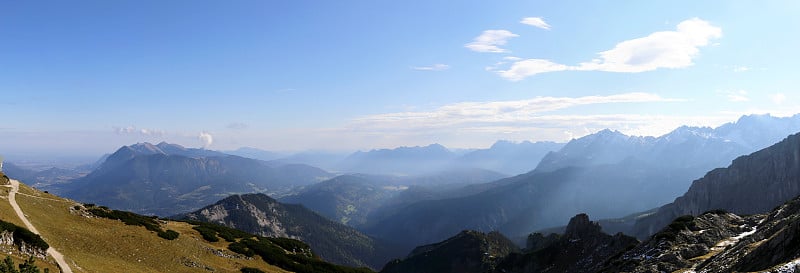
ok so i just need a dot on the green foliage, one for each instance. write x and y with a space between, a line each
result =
251 270
207 233
289 244
682 223
717 212
211 231
169 234
289 254
133 219
301 262
22 234
28 266
679 224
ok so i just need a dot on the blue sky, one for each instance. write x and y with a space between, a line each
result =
85 77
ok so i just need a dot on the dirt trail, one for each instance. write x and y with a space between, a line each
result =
12 195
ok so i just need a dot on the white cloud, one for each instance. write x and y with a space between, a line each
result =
663 49
737 96
491 40
434 67
206 139
778 98
536 22
526 68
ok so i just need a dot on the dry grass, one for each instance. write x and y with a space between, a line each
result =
101 245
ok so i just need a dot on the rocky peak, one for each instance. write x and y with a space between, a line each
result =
580 227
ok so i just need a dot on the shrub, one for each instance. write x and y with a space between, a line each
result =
22 234
169 234
251 270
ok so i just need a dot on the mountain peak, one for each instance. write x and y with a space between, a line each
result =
580 226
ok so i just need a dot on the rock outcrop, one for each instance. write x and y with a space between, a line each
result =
469 251
582 248
718 241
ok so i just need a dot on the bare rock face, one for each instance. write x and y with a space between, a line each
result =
755 183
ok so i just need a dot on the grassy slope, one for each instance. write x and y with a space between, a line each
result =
103 245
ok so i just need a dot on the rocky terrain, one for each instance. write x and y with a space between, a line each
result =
468 251
719 241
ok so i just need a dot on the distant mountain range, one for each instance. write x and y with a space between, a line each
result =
262 215
168 179
606 174
504 157
356 199
752 184
47 179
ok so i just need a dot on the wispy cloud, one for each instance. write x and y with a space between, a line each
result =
132 130
536 22
495 113
663 49
491 40
434 67
737 96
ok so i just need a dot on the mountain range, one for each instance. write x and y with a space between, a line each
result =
168 179
607 174
259 214
752 184
504 157
356 199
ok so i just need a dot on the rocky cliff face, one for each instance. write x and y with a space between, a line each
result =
469 251
751 184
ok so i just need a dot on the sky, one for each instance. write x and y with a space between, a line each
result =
85 77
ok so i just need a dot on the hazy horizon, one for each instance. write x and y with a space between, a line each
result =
85 78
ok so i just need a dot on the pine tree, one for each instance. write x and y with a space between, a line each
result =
7 266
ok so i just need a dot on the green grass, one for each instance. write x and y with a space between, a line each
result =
93 244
